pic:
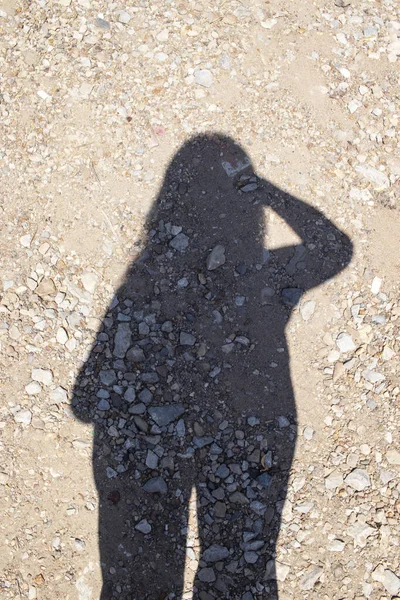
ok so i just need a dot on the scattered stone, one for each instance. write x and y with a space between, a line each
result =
204 77
393 457
360 532
124 17
216 258
345 343
307 310
336 546
143 526
89 282
186 339
310 578
377 178
333 481
206 575
122 340
26 240
215 553
61 336
164 415
59 395
44 376
46 287
388 579
33 388
376 285
23 416
180 242
155 485
358 480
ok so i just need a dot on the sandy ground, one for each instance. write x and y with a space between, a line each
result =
96 99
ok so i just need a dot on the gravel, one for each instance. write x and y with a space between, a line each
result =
96 99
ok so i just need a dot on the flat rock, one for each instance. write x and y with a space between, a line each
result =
307 310
358 480
46 287
135 355
122 340
164 415
215 553
108 376
103 404
204 77
388 579
33 388
345 343
44 376
59 395
155 485
180 242
186 339
379 180
310 578
216 258
61 336
143 526
360 532
23 416
393 457
333 481
264 480
206 575
89 281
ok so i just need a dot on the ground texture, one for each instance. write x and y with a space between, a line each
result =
190 194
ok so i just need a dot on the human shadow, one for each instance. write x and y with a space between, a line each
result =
188 382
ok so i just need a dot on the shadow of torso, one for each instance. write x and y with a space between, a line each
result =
188 383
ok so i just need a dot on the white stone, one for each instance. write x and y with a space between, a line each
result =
33 388
360 532
377 178
336 546
376 285
393 457
388 579
358 480
333 356
310 578
43 95
89 281
26 240
333 481
307 310
23 416
62 336
204 77
372 376
44 376
345 343
354 105
162 36
58 395
387 353
268 23
394 47
124 17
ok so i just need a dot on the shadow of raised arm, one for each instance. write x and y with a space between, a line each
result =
325 249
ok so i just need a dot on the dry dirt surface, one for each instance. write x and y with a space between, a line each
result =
199 300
